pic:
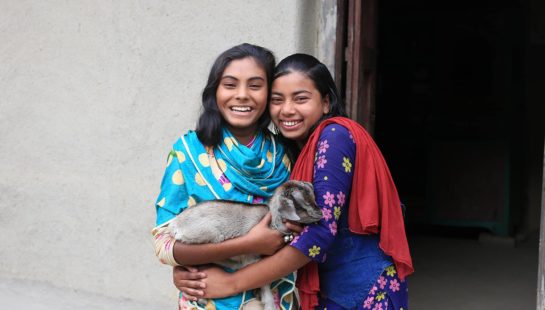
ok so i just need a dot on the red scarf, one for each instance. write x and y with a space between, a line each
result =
374 204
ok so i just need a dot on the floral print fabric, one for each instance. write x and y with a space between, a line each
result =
333 172
388 292
332 181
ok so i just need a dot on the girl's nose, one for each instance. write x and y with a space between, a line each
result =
242 93
288 107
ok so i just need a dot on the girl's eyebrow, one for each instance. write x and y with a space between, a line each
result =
300 92
250 79
295 93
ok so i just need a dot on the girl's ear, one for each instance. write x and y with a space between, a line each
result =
325 104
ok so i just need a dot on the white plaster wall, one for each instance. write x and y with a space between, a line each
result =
92 95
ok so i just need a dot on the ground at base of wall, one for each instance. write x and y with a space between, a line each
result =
455 273
25 295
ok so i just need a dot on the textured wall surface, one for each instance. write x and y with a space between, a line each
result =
92 95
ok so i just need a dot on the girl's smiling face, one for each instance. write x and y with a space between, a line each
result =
242 97
296 106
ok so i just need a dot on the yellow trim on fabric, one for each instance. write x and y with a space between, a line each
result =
199 170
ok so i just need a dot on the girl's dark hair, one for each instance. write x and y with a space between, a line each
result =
324 83
210 120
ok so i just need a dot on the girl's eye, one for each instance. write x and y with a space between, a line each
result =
301 99
229 85
276 100
255 86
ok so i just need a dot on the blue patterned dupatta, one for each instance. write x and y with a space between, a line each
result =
254 172
258 169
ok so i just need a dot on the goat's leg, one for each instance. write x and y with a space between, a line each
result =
267 298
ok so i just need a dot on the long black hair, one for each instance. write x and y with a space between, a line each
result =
210 120
323 81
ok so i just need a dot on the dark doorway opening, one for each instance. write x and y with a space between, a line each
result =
459 114
449 110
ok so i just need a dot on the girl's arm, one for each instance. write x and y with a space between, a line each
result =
260 240
332 183
171 201
189 279
218 283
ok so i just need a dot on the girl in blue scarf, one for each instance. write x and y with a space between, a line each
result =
231 155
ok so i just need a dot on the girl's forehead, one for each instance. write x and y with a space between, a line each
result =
246 62
294 79
244 67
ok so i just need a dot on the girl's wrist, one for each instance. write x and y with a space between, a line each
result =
234 284
246 245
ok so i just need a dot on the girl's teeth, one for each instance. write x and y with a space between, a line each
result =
241 109
292 123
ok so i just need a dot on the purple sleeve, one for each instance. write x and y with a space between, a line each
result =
333 169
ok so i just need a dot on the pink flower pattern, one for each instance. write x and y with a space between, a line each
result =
381 282
320 163
394 285
323 146
333 228
326 212
380 299
341 198
368 302
329 199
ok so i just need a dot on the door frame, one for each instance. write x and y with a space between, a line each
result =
541 259
355 59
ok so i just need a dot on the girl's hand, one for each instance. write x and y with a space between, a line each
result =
219 283
189 281
262 239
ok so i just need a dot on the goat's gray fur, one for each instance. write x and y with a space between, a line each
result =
215 221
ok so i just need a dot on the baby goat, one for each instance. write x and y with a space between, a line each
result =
214 221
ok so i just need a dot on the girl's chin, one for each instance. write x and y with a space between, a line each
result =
296 136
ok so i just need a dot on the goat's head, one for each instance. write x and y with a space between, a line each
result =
294 201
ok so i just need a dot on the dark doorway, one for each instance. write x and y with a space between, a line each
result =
459 113
448 110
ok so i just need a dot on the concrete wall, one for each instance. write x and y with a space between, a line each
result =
92 95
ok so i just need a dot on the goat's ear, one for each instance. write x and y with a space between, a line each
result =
299 199
286 209
309 185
